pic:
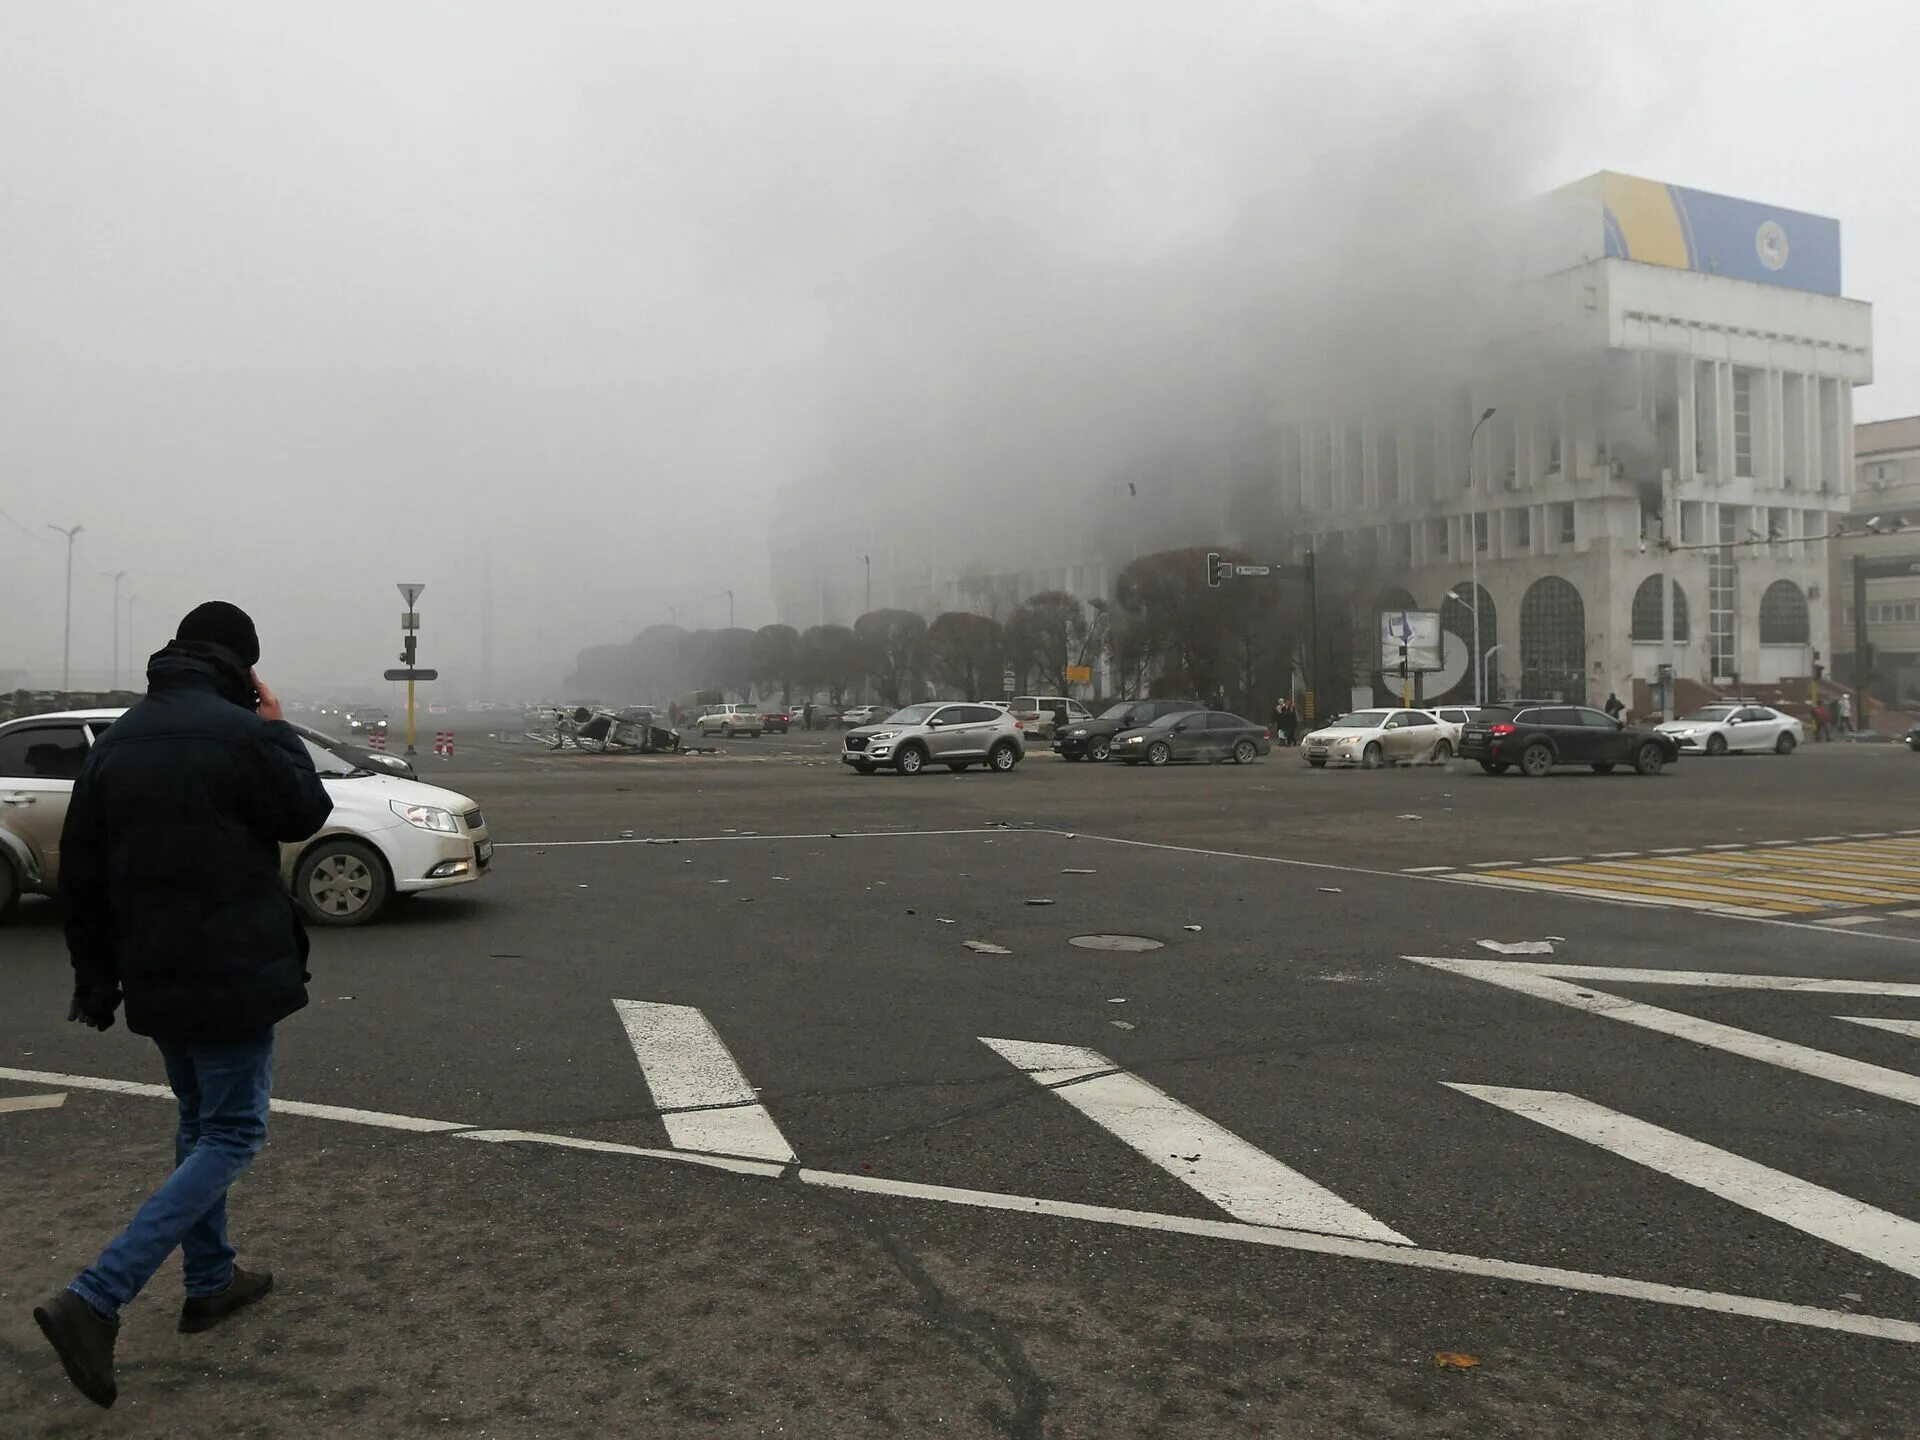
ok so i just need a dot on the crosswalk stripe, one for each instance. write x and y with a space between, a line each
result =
1579 879
1893 1027
696 1084
1900 884
1590 892
31 1102
1244 1181
1880 1235
1719 882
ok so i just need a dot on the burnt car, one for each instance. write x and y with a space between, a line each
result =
1540 738
360 757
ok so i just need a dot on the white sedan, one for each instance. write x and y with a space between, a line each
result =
1716 729
387 835
1371 738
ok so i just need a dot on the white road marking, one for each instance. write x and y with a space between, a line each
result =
717 839
1557 859
31 1102
1880 1235
1878 1022
697 1086
1605 855
1739 846
1426 869
377 1118
1877 1327
1621 897
1842 921
1241 1179
1540 982
1906 914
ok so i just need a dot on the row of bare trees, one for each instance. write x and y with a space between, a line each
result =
1164 631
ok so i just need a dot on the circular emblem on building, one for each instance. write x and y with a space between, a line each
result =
1770 243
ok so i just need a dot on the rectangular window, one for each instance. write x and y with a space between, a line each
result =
1720 596
1441 530
1523 530
1387 458
1480 531
1566 524
1742 422
1353 462
1846 612
1553 456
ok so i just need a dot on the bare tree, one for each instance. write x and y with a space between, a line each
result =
896 644
1054 630
831 659
965 653
776 659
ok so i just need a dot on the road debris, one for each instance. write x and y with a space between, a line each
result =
1409 817
1194 928
1455 1360
1330 890
983 947
626 834
1079 872
1039 902
1517 947
1122 1024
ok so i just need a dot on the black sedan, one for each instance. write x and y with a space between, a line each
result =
1207 735
1093 739
1537 738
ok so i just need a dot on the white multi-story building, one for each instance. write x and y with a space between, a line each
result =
1671 377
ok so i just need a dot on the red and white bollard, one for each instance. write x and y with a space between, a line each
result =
376 739
443 744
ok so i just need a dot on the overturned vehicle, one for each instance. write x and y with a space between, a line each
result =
638 730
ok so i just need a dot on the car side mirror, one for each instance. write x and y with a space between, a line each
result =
1179 726
935 723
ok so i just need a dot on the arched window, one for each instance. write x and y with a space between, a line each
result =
1553 641
1783 615
1646 611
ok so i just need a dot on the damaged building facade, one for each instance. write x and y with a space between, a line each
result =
1671 376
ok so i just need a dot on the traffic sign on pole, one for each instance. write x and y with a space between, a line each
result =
1253 570
410 593
411 675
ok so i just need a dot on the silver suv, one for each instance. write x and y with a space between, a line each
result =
954 734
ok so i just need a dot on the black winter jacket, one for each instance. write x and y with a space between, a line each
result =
170 860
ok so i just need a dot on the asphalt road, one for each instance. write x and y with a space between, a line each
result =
830 1171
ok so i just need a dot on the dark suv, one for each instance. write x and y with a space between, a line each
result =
1539 737
1093 739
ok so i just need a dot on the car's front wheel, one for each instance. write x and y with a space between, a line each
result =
911 760
1245 752
1099 748
1159 753
1372 757
1003 757
340 882
1648 759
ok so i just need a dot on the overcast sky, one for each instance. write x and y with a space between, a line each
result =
303 300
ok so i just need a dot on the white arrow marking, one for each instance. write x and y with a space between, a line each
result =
32 1102
1896 1027
697 1085
1880 1235
1244 1181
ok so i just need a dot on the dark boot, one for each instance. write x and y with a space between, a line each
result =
84 1342
203 1312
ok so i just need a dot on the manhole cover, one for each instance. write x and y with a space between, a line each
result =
1131 943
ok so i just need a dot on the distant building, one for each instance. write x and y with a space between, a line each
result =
1886 498
1670 368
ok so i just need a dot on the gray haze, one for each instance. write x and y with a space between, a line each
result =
304 300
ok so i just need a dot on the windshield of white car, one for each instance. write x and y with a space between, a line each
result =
329 764
1711 715
1360 720
912 715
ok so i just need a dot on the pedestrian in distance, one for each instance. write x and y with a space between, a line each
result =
1843 711
1287 722
1820 721
806 716
170 874
1615 707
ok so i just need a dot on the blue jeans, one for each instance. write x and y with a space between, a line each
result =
223 1092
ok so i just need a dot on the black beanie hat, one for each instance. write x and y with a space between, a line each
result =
218 623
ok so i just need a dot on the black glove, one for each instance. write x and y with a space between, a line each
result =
94 1005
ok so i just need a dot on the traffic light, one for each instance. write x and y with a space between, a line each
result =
412 649
1216 569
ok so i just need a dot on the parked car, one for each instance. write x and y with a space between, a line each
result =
731 720
1537 738
1913 736
1717 729
1371 738
387 835
1093 739
855 715
378 761
1205 735
776 721
366 721
957 734
1044 715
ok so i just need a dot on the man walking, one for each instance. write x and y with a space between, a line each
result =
170 870
1615 706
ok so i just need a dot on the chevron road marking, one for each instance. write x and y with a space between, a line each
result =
1652 1292
1880 1235
697 1086
1552 982
11 1103
1246 1182
1892 1027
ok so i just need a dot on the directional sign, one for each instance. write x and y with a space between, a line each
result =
1007 681
1079 674
1412 636
1253 570
413 674
410 593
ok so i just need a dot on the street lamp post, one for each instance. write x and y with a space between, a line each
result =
867 560
116 576
66 643
729 610
1473 549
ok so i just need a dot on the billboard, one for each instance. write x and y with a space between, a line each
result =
1416 633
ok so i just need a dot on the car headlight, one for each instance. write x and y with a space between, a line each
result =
1134 740
426 817
1076 734
884 735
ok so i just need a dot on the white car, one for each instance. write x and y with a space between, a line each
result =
386 836
731 720
1717 729
1371 738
